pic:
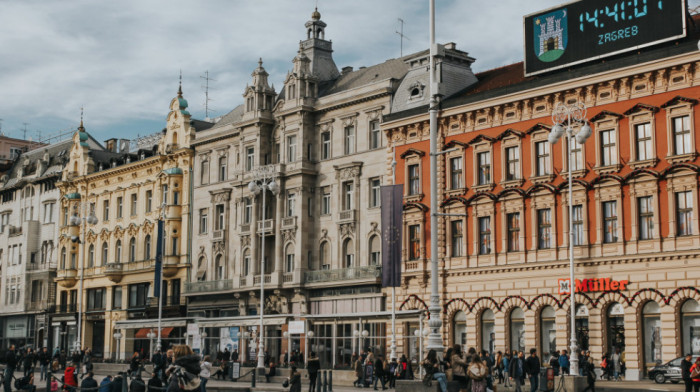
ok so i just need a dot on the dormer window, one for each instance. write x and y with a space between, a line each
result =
416 91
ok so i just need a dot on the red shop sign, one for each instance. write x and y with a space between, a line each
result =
593 285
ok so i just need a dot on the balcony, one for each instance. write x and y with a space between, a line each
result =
39 305
245 228
268 279
265 226
113 272
288 277
67 277
173 212
14 231
67 308
370 272
208 286
170 265
218 235
347 216
289 222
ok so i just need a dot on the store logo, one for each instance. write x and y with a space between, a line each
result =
551 34
592 285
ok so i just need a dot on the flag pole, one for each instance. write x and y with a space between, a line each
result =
160 275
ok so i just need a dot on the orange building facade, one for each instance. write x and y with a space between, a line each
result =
504 248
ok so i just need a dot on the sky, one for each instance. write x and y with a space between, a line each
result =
121 60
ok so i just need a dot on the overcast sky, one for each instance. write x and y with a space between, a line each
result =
121 59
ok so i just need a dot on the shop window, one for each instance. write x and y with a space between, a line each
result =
517 329
548 333
651 322
616 328
582 330
459 326
690 327
488 334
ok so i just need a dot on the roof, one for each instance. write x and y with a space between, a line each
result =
390 69
201 125
231 117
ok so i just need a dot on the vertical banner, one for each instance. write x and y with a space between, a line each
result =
159 259
392 212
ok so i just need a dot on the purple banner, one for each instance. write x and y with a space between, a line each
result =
392 211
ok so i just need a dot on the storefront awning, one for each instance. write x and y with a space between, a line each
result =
365 315
143 332
243 321
150 323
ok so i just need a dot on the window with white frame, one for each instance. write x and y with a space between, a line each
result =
326 201
456 173
219 216
513 222
577 221
484 235
247 210
325 145
684 213
289 258
245 269
457 238
291 201
250 158
203 220
134 204
347 195
682 143
48 212
291 148
118 252
149 201
204 172
375 135
375 196
544 228
105 210
645 215
349 139
164 193
375 250
222 167
542 158
414 179
484 167
120 207
644 145
576 161
512 163
609 221
608 148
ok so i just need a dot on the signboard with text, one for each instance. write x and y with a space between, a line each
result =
592 285
582 31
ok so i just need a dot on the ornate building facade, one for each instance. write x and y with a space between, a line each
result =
504 251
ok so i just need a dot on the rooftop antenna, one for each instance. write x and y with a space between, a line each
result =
402 35
24 131
206 93
82 110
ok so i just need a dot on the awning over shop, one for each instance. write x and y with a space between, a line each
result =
150 323
365 315
143 332
243 321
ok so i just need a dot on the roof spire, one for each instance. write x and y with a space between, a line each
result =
81 127
179 89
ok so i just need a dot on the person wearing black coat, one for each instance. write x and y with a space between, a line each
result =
532 367
10 366
379 372
517 370
312 367
88 384
685 372
589 371
28 362
137 384
117 382
44 360
154 383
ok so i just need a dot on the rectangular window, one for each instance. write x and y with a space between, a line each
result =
138 294
222 168
164 192
175 295
457 238
609 222
576 156
684 213
513 222
484 235
96 299
413 242
247 210
578 224
512 163
4 221
644 147
375 195
291 148
326 201
203 220
290 262
204 173
326 145
645 210
484 167
349 139
456 173
375 135
608 148
542 162
105 210
149 201
250 158
681 135
134 204
120 207
347 195
544 228
413 180
291 200
219 214
176 198
48 212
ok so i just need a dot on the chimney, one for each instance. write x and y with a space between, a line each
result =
451 46
346 70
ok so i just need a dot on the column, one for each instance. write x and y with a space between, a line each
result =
500 329
563 323
632 354
670 341
595 334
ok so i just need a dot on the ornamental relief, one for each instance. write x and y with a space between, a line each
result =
348 173
289 235
218 247
245 241
147 227
347 229
104 235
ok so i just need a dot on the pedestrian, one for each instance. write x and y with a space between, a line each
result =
312 367
695 375
686 364
234 355
498 367
10 366
89 384
616 364
459 367
70 378
44 360
294 380
532 367
117 382
589 372
554 363
154 383
135 363
357 366
477 373
204 373
507 358
183 374
393 372
28 362
564 363
517 371
54 384
104 384
379 372
26 383
270 374
433 371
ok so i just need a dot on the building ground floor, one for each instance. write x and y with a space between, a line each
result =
648 308
22 330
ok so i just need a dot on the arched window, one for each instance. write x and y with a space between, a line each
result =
91 256
548 333
105 253
488 336
118 252
289 258
246 263
132 249
690 319
375 250
348 254
616 328
147 248
219 268
582 326
63 258
651 321
517 329
324 256
459 326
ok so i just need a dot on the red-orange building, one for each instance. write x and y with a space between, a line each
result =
635 197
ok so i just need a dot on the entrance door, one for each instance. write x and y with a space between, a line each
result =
98 338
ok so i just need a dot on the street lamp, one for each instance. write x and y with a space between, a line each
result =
566 118
204 342
263 179
118 337
81 218
151 335
420 334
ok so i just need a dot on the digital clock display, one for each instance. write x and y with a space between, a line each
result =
590 29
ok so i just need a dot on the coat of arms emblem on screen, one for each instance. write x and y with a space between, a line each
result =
551 35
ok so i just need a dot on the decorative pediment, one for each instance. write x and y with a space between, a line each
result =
91 236
677 100
147 227
118 232
641 107
105 234
481 139
538 127
349 171
412 152
132 230
454 144
221 195
419 206
510 132
605 114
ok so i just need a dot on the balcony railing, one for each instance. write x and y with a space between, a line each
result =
67 308
366 272
245 228
287 277
265 226
289 222
15 230
208 286
218 234
346 216
256 280
38 305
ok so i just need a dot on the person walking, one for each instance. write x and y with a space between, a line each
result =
357 365
28 362
70 379
204 373
393 371
478 372
459 367
532 367
10 366
616 359
554 363
183 375
134 364
44 360
379 372
564 363
686 364
312 367
431 364
506 369
695 375
294 380
589 372
517 371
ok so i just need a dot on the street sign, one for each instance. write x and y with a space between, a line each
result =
295 327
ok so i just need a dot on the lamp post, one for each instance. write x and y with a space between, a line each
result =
204 342
309 342
118 337
150 335
566 118
263 180
81 219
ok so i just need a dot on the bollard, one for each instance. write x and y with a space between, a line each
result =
318 383
125 382
325 382
252 379
330 381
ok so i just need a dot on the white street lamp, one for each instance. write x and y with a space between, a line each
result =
88 217
118 337
565 119
263 179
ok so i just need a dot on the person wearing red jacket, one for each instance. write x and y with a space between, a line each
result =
70 379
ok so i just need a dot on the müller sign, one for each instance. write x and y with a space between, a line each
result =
593 285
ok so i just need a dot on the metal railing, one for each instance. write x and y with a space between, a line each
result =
365 272
208 286
265 226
